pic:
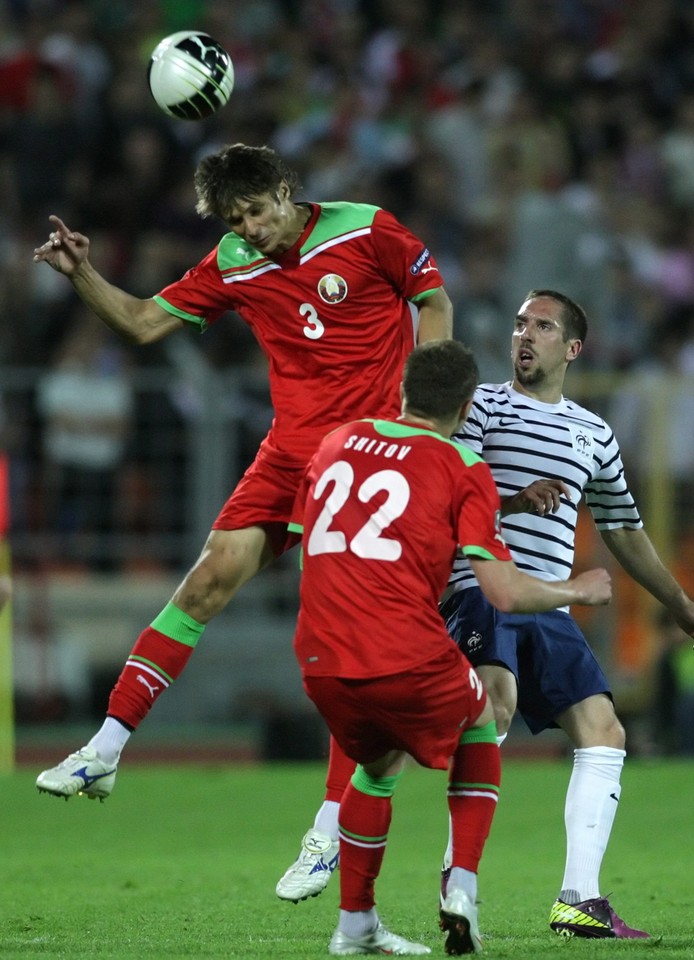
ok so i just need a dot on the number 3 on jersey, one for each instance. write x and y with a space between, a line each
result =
314 328
369 542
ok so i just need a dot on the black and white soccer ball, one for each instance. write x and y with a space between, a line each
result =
190 75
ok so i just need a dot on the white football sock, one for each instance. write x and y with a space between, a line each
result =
357 923
326 820
466 880
110 740
591 805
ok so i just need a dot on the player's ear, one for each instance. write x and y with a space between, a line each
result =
573 350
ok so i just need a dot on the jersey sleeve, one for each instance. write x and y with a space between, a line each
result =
403 258
607 494
200 297
471 433
479 517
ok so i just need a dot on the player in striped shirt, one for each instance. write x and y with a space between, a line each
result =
546 453
327 289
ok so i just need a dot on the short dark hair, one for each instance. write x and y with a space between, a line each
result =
573 316
239 172
440 376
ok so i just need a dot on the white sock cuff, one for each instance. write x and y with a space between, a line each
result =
600 754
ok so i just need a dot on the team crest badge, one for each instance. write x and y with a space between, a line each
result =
582 441
332 288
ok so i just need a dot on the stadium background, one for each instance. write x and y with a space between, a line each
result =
529 142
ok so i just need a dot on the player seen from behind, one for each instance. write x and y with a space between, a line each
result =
386 503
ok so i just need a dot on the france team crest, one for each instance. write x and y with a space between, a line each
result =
582 440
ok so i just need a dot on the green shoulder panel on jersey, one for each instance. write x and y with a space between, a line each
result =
234 253
389 428
337 219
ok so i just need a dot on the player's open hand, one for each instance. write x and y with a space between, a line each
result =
64 250
542 497
595 587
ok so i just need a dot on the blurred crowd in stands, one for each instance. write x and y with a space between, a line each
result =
528 142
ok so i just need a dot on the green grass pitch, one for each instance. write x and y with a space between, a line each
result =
183 861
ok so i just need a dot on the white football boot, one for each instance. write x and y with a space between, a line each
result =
308 876
81 773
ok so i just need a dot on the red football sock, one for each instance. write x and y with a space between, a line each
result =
473 791
364 823
157 659
340 769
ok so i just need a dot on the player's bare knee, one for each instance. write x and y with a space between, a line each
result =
502 715
209 586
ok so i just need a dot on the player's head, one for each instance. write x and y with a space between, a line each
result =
548 334
571 315
240 173
439 380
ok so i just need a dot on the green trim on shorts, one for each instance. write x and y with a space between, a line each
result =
485 734
374 786
178 626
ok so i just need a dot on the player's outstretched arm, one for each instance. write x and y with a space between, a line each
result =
133 319
635 552
512 591
435 317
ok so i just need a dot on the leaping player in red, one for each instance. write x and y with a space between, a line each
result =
326 288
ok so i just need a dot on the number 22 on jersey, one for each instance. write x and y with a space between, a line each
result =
369 541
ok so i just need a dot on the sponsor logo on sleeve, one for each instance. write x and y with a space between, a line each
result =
423 263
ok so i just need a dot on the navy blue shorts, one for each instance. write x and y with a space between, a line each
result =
550 658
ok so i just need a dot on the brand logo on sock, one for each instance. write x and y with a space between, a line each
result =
614 797
152 690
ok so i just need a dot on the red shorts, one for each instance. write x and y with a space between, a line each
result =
422 711
264 497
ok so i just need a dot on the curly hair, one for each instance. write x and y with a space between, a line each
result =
239 172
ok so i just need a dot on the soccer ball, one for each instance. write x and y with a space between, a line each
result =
190 75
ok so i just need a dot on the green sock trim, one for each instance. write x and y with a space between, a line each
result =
177 625
153 665
358 836
374 786
485 734
465 785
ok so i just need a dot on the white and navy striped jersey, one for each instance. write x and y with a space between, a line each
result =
523 440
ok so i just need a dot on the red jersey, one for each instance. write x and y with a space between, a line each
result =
382 508
331 315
